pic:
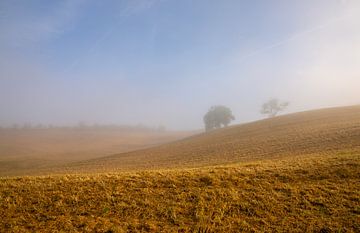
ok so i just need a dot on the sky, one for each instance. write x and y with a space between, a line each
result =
166 62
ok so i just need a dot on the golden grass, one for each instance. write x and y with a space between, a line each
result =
28 150
295 173
322 131
305 194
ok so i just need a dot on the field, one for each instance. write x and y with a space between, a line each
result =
323 131
25 151
320 194
294 173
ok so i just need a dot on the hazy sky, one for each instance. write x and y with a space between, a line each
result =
167 61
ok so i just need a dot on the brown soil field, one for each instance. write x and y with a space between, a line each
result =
24 151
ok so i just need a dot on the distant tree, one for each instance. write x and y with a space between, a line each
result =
82 125
218 116
27 125
39 126
273 107
161 128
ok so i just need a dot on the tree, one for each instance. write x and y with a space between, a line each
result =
161 128
218 116
273 107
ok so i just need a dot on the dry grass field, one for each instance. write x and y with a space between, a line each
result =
322 131
293 173
305 194
24 151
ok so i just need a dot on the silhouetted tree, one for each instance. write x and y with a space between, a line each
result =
273 107
218 116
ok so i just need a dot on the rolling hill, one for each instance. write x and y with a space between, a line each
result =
26 151
324 131
293 173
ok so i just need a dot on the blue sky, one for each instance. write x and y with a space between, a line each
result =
166 62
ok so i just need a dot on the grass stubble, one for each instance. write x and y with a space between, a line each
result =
313 193
294 173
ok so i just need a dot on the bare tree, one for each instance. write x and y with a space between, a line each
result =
273 107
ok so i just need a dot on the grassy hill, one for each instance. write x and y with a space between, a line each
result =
322 131
26 151
294 173
307 194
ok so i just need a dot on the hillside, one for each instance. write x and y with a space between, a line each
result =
308 194
26 151
293 173
323 131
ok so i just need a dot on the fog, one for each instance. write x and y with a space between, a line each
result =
166 62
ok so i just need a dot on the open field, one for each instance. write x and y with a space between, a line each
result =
24 151
293 173
179 116
305 194
322 131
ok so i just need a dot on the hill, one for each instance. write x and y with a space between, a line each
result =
304 194
26 151
294 173
323 131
